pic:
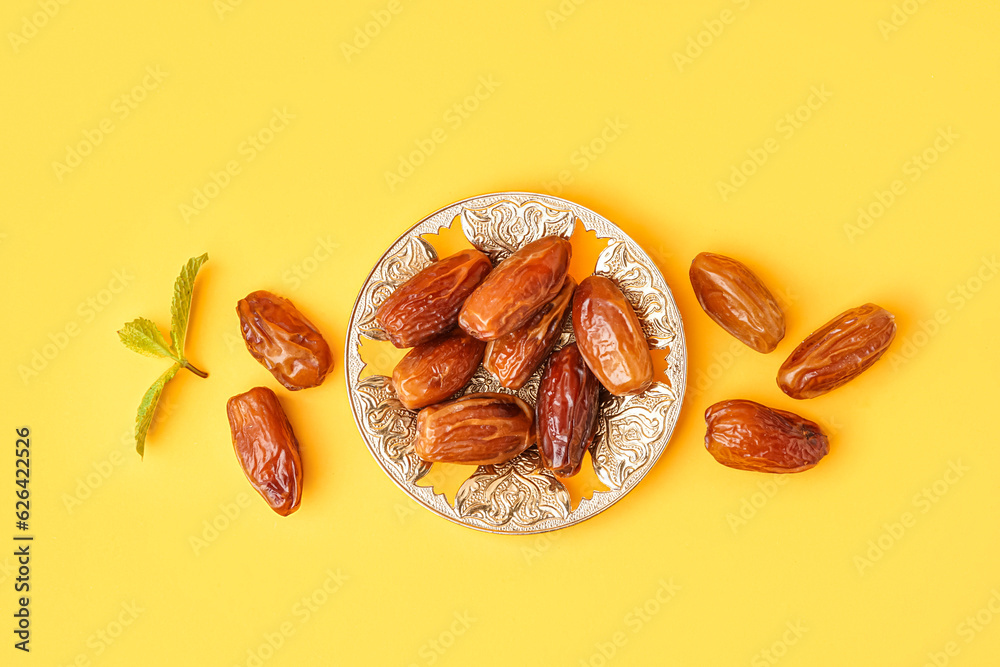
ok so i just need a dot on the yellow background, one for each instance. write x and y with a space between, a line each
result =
116 537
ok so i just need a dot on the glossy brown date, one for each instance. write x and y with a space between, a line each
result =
736 299
610 337
476 429
283 340
842 349
432 372
566 414
514 357
749 436
266 448
520 286
428 304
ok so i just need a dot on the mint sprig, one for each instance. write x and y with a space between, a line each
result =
143 336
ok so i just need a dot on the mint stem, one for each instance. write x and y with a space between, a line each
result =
197 371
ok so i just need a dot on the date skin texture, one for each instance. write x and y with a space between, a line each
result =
610 337
735 298
841 350
514 357
266 448
432 372
427 305
566 414
476 429
749 436
517 289
283 340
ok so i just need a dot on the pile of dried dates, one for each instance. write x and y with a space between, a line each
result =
286 343
749 436
461 311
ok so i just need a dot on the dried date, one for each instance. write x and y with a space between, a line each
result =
514 357
610 337
476 429
266 448
283 340
432 372
566 414
745 435
517 289
736 299
428 304
838 352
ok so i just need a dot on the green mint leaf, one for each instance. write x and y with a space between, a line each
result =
180 307
144 416
142 336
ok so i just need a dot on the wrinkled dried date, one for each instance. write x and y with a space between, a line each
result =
476 429
838 352
428 304
266 448
733 296
432 372
283 340
520 286
514 357
749 436
610 337
566 414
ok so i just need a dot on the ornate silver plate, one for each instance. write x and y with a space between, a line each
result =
519 496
